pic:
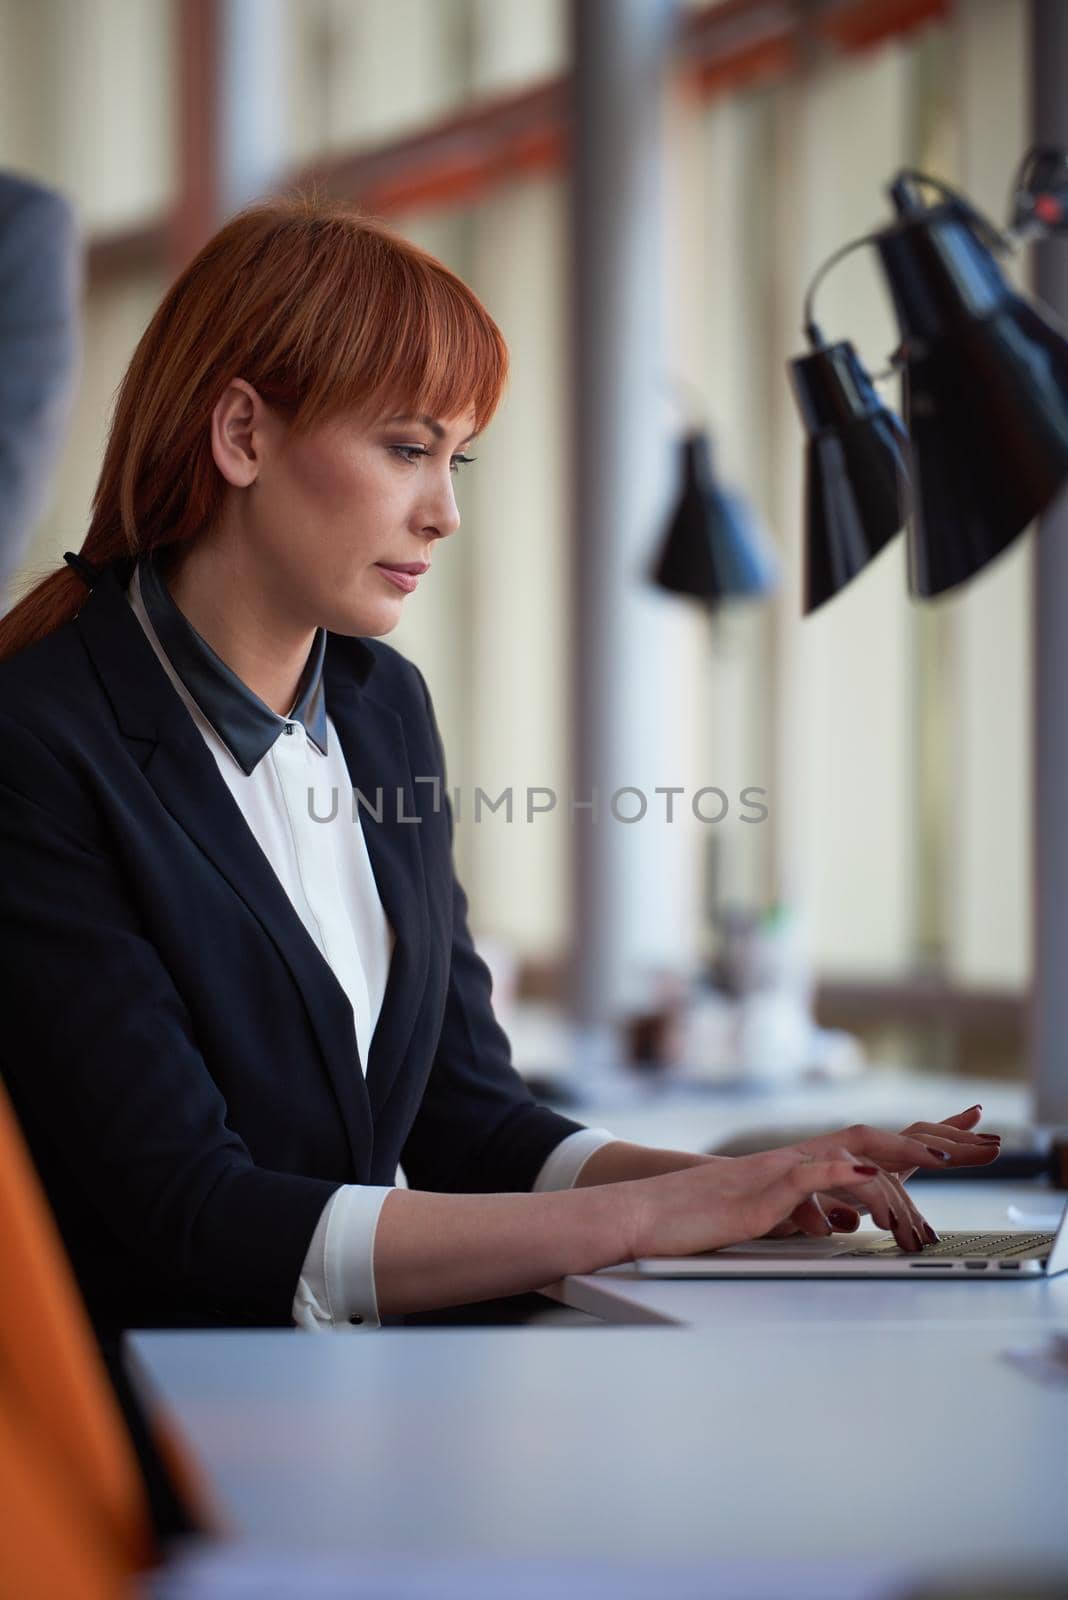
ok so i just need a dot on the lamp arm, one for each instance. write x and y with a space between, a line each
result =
687 396
1038 198
898 190
811 328
1026 162
906 204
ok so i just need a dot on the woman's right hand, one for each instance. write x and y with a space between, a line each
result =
731 1199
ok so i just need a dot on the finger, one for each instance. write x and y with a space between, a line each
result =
843 1218
811 1174
950 1129
842 1214
965 1119
848 1201
959 1129
842 1207
809 1217
928 1235
880 1206
893 1151
963 1148
897 1211
911 1215
893 1210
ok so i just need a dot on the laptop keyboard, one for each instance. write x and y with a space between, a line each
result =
985 1245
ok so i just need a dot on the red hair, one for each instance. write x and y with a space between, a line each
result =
324 311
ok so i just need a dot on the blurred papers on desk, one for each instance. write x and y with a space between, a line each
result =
1046 1361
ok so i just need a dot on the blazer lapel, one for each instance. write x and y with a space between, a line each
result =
183 773
376 754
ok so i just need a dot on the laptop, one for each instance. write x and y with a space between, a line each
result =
1010 1255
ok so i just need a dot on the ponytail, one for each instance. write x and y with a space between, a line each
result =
52 601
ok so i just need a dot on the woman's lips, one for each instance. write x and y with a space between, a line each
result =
401 577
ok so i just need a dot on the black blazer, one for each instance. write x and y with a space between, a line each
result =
183 1060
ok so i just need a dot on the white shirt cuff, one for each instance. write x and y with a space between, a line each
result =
563 1165
336 1288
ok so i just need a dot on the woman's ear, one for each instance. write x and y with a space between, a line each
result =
239 433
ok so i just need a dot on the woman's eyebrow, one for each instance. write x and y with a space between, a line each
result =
435 427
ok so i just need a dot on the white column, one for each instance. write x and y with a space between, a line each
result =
634 882
253 96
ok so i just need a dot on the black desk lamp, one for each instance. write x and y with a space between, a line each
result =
985 382
715 548
856 488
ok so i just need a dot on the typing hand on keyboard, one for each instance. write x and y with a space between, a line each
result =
930 1146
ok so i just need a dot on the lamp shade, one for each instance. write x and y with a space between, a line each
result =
715 548
856 486
985 392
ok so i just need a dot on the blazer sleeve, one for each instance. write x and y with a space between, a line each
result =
99 1051
478 1129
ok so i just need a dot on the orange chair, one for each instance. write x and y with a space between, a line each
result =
76 1519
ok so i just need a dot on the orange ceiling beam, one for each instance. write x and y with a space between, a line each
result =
462 158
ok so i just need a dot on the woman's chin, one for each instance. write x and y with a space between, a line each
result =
367 622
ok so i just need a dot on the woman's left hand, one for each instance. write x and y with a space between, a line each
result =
953 1142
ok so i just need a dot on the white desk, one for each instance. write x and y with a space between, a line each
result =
792 1440
648 1450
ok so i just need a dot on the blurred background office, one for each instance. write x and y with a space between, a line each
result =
891 875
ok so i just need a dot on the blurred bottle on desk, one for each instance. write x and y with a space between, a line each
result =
751 1022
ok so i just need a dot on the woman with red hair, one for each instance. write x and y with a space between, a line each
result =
234 1004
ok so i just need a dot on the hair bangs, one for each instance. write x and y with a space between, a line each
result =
416 342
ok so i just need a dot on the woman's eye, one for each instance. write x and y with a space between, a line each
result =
407 451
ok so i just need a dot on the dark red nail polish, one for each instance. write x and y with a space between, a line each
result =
932 1237
869 1172
991 1138
842 1219
943 1155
